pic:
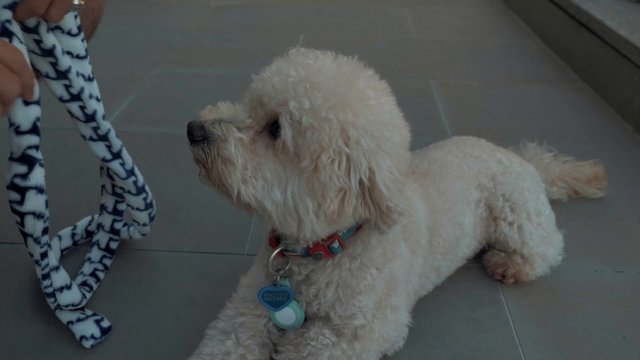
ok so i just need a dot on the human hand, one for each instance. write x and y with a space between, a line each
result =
51 10
16 77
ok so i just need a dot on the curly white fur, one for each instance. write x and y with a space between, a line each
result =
342 157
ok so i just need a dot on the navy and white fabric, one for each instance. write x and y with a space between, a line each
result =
58 53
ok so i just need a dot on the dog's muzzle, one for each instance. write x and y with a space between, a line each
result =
197 132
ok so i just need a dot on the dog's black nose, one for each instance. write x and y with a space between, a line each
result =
197 132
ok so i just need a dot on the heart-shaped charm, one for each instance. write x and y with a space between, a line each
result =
275 298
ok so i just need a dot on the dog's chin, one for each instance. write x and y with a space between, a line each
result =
201 157
201 161
221 188
211 179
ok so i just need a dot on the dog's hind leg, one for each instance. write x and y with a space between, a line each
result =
524 242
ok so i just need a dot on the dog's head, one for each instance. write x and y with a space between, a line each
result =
318 143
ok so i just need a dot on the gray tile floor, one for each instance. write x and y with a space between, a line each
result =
457 67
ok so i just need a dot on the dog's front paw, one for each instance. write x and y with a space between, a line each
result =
506 267
249 352
314 340
232 346
215 351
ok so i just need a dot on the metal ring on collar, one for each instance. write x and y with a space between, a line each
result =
283 269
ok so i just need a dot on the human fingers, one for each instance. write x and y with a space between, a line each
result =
9 89
13 59
26 9
57 10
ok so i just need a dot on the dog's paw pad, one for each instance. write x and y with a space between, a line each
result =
506 267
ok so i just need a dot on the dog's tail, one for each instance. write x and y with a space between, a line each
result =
564 176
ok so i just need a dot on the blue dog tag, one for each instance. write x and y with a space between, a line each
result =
275 298
283 309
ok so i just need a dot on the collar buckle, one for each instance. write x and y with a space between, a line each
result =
327 248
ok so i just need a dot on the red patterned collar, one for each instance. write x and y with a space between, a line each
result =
321 250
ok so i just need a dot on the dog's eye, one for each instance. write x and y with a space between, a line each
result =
273 128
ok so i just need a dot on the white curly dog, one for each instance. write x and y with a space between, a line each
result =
319 144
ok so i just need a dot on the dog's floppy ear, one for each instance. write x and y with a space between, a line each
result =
363 185
380 192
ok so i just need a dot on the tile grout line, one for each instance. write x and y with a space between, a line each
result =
513 327
159 250
225 70
445 122
143 85
185 252
410 22
246 248
499 82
